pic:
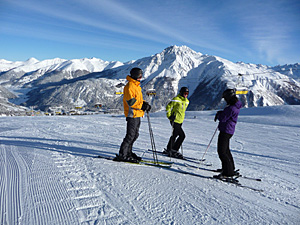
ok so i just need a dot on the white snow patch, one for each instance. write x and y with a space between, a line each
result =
48 173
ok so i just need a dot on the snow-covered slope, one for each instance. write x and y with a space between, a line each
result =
7 108
52 70
92 80
292 71
28 65
48 173
21 77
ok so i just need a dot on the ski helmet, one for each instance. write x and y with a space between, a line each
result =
228 94
136 73
183 90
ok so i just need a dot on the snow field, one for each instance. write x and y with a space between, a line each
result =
49 174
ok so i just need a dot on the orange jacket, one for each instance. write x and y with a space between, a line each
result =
133 99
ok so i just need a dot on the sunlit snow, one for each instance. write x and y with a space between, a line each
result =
49 174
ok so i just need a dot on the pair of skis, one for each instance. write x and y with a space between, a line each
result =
234 180
142 162
168 165
185 158
216 171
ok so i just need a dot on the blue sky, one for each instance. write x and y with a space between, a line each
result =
262 32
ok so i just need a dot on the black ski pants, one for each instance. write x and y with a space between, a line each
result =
132 133
177 137
225 154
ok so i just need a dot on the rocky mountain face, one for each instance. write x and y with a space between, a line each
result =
86 82
7 108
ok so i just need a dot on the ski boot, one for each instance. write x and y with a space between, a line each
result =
119 158
173 153
133 155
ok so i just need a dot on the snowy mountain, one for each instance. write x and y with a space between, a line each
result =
7 108
86 82
33 72
21 77
292 71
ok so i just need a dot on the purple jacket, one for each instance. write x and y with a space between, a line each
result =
228 118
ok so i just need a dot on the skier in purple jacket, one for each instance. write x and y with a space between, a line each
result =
227 121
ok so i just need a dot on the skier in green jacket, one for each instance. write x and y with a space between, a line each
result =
175 113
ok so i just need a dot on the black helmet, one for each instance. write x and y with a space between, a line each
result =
228 94
136 73
183 90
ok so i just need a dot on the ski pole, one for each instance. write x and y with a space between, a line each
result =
171 139
152 139
172 123
209 144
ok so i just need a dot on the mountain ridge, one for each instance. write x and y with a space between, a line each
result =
92 81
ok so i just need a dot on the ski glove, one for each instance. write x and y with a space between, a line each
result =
217 115
146 107
172 117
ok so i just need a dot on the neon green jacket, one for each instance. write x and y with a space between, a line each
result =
177 107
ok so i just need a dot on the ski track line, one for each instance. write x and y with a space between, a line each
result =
11 182
54 202
24 176
87 206
92 204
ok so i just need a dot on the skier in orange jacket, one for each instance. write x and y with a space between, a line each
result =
134 109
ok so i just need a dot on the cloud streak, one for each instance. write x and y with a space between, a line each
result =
268 26
231 29
129 22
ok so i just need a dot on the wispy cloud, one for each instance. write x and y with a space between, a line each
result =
114 17
268 27
95 21
231 29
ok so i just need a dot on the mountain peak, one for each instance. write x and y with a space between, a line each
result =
32 60
179 50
